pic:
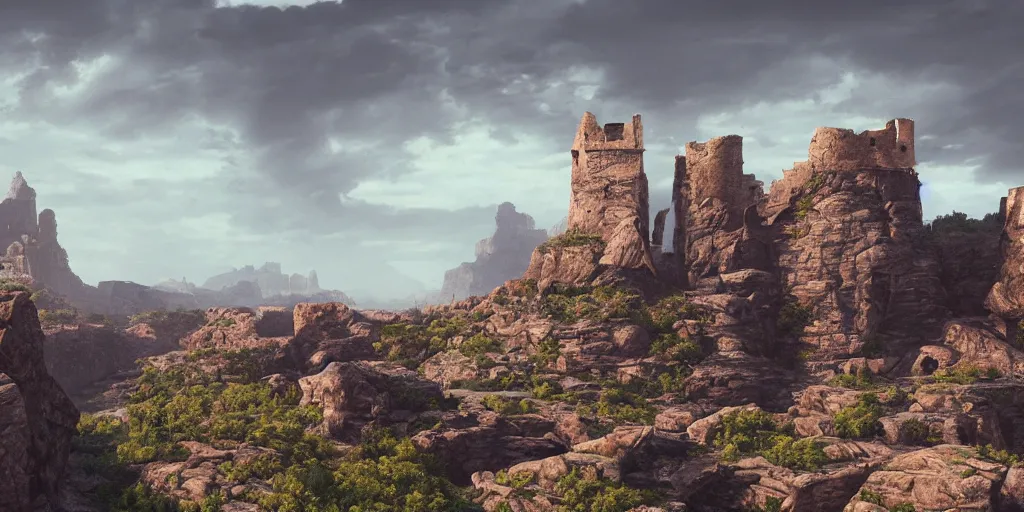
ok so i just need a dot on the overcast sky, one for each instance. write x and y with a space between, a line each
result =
373 139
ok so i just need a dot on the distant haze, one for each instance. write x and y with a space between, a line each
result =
372 140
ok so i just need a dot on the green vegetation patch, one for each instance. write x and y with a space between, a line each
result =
571 238
965 374
303 471
507 406
750 432
583 492
861 379
860 421
410 344
793 318
7 286
959 222
178 319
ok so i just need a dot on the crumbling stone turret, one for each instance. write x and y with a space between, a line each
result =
1007 296
609 190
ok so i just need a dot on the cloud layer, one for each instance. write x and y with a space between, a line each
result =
373 138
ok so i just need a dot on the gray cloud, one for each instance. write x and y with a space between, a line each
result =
303 105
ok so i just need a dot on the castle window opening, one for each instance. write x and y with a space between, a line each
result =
872 141
903 149
614 131
575 157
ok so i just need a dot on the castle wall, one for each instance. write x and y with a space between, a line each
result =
836 149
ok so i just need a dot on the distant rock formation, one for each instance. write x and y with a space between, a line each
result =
270 279
32 254
1007 296
501 257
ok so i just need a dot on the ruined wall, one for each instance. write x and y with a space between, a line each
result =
852 243
718 234
843 150
1006 299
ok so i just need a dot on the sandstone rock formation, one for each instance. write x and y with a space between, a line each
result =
31 251
501 257
1007 296
36 415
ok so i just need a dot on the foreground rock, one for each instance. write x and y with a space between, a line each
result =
37 419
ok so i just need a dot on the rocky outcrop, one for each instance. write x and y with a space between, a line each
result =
31 251
38 418
83 354
238 328
853 248
353 395
501 257
1007 296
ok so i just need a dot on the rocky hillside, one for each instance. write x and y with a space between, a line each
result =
813 347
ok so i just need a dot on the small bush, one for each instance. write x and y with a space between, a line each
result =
571 238
748 432
8 286
793 318
583 492
918 433
479 344
506 406
1001 456
861 420
673 347
55 317
959 374
862 379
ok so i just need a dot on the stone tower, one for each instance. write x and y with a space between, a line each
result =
609 190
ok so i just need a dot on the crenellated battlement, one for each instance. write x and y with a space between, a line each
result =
591 136
839 149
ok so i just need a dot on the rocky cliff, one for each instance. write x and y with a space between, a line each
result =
37 420
503 256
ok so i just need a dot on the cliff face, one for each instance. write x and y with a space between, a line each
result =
37 420
501 257
1007 296
853 246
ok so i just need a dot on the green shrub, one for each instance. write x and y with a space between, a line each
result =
771 504
55 317
506 406
1001 456
671 346
623 407
749 432
918 433
862 379
516 481
861 420
793 318
804 206
959 374
8 286
572 238
583 492
872 497
959 222
903 507
479 344
411 344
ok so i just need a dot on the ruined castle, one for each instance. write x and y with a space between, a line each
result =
841 232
